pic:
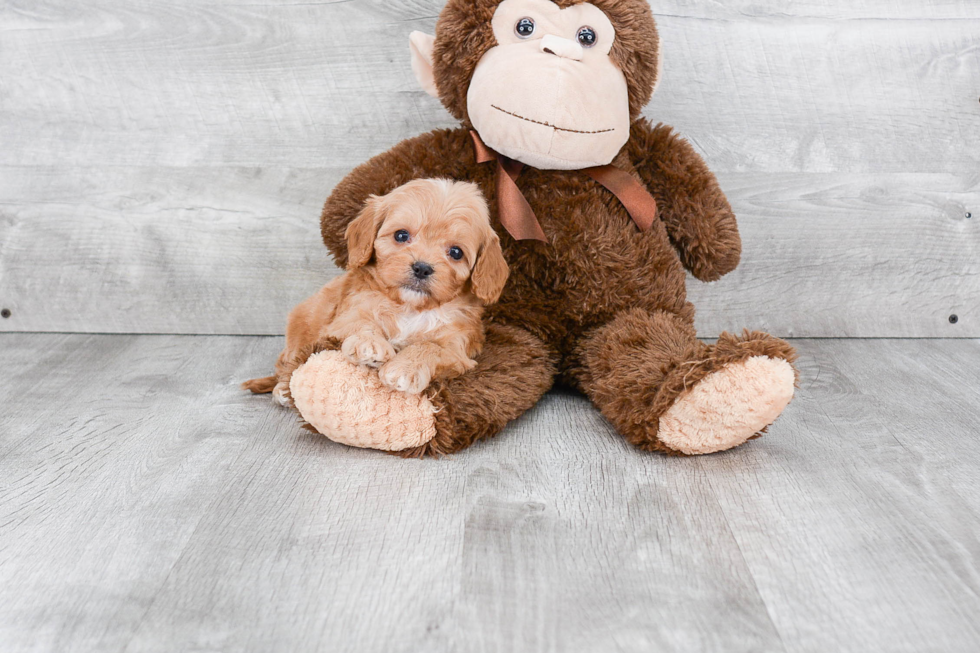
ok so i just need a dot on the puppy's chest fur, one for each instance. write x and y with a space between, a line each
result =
409 326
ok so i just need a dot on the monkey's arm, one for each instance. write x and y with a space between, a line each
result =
698 217
442 153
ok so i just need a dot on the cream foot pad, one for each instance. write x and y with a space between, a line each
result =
348 404
729 406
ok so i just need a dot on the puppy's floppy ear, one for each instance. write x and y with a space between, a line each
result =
490 272
362 231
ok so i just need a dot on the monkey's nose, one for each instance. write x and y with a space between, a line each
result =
564 48
422 270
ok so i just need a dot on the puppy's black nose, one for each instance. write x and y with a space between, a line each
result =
422 270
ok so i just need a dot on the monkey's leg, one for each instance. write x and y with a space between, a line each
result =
666 391
348 404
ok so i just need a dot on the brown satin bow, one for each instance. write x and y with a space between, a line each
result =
516 214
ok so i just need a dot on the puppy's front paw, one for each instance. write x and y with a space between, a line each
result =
367 350
405 375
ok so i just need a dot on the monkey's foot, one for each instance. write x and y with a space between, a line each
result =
729 406
348 404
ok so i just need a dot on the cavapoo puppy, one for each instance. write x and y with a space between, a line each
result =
423 261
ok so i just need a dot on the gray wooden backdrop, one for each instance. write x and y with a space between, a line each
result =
162 163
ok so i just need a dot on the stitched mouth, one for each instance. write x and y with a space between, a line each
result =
548 124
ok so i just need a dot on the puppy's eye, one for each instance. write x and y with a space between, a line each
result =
587 37
455 253
524 28
401 236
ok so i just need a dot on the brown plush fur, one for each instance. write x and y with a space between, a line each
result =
636 366
601 306
514 370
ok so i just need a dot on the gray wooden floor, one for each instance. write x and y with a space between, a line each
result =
146 504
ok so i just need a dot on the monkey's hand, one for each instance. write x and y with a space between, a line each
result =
690 203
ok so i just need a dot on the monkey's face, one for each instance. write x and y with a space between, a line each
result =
548 93
554 85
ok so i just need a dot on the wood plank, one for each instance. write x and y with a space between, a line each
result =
113 449
575 542
850 256
860 520
99 99
231 250
471 553
826 87
819 9
307 545
146 504
159 250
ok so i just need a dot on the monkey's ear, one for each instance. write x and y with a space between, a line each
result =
421 45
362 231
490 272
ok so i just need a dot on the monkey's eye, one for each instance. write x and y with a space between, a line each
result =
401 236
587 36
455 253
524 28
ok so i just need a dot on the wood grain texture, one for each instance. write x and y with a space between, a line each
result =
162 166
873 461
232 250
850 256
160 250
146 504
104 475
887 87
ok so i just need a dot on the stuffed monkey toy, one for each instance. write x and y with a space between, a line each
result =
599 213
